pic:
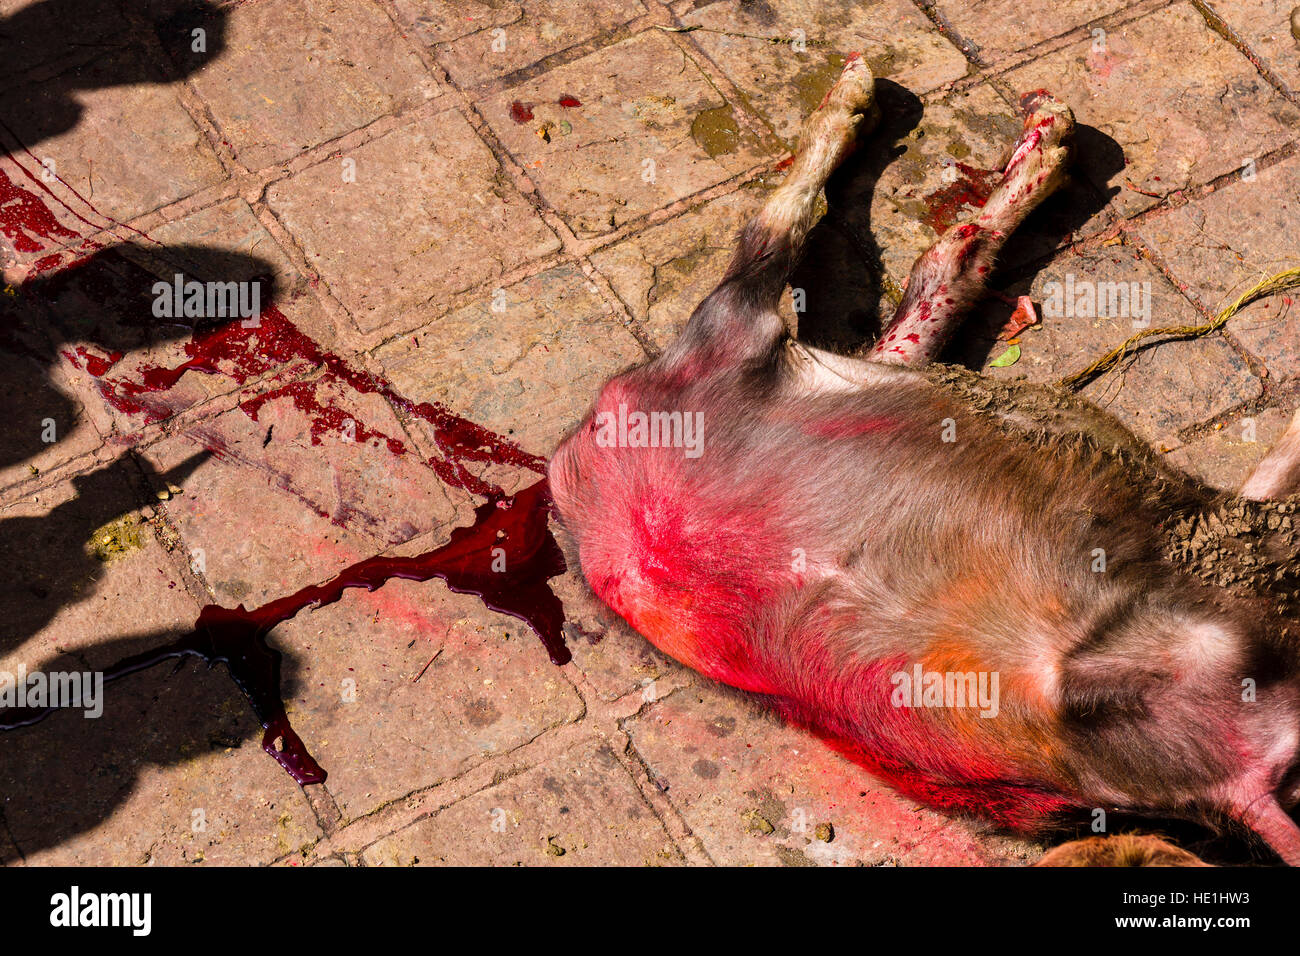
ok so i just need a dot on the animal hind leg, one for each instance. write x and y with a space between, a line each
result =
738 321
951 275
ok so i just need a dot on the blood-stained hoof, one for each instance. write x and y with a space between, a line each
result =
854 93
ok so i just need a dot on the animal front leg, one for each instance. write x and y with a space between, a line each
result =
951 275
1278 475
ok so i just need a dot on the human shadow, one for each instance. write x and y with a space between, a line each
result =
99 316
55 50
69 774
93 314
65 775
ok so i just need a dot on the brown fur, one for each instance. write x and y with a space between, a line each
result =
928 533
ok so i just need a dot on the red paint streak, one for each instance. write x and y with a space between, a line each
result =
1017 807
521 112
568 102
784 164
945 206
927 754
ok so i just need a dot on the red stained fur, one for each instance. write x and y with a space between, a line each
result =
846 528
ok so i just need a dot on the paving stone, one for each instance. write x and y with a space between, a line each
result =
1227 455
229 227
755 791
110 342
1265 26
73 126
526 362
663 272
1166 388
272 517
38 33
785 83
297 73
580 809
1163 87
80 557
634 103
478 42
430 214
1225 243
438 684
999 28
171 770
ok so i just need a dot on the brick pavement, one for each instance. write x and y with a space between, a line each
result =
493 206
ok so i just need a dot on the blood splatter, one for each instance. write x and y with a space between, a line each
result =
27 222
569 102
945 206
521 112
506 557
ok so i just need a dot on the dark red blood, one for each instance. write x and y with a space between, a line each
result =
29 224
517 525
945 206
96 365
521 112
568 102
244 352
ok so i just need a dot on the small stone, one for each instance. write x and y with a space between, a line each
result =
164 494
824 832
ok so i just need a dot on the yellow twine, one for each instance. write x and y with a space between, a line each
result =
1282 282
